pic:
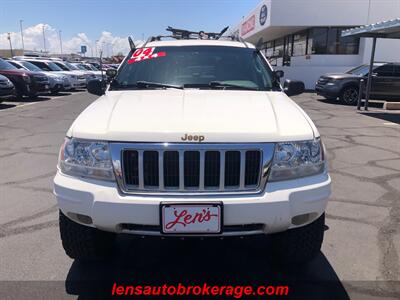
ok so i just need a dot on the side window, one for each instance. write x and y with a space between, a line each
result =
385 70
39 64
15 65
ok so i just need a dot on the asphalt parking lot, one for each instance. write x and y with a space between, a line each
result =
361 250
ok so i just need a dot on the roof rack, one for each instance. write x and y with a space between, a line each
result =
183 34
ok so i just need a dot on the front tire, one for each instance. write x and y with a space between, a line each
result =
82 242
349 95
299 245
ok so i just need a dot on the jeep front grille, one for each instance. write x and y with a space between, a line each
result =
191 168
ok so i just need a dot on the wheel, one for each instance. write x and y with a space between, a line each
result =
298 245
349 95
82 242
19 95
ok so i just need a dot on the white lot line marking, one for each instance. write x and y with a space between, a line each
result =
391 124
31 103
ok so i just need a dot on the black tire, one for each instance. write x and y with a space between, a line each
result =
349 95
82 242
298 245
19 95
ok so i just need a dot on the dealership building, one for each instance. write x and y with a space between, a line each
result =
303 37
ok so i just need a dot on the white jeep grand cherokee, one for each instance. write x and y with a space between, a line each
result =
193 138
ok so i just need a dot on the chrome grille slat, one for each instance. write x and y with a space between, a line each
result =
141 182
202 166
191 168
242 168
222 171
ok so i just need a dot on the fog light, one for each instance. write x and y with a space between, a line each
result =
81 218
302 219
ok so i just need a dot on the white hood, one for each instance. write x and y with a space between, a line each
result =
218 115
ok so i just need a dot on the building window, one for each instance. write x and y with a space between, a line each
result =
278 49
318 40
348 44
300 43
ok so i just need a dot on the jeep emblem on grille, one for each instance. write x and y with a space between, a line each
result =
196 138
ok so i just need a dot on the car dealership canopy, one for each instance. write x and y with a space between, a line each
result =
386 30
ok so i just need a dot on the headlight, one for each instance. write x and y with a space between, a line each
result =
86 158
297 159
74 76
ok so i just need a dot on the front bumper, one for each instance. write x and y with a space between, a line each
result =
273 209
329 91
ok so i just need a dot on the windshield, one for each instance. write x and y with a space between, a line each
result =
30 67
4 65
54 67
361 70
196 67
71 66
62 66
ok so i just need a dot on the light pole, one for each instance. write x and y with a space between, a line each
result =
44 39
59 36
9 39
22 36
95 46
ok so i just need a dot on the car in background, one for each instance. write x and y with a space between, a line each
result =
26 83
82 67
58 82
66 66
6 88
346 86
77 80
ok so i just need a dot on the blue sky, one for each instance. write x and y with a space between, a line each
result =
119 18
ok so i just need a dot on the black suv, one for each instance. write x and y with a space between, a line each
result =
385 83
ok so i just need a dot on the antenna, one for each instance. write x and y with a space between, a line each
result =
131 44
222 32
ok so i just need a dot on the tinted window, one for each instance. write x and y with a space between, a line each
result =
4 65
318 40
386 70
41 65
197 66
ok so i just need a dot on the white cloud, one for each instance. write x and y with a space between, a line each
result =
33 40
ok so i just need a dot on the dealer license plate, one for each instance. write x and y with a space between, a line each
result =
191 218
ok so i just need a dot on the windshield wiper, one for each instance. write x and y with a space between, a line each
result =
147 84
230 85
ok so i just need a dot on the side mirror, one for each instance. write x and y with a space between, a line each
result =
96 87
279 74
111 73
293 87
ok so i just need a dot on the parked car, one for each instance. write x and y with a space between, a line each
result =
77 80
66 66
26 83
385 83
58 82
193 138
6 88
82 67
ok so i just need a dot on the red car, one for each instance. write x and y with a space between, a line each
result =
26 83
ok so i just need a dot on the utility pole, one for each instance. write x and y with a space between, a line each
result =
9 39
95 46
22 35
44 39
59 36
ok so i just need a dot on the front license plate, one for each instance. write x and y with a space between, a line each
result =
191 218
